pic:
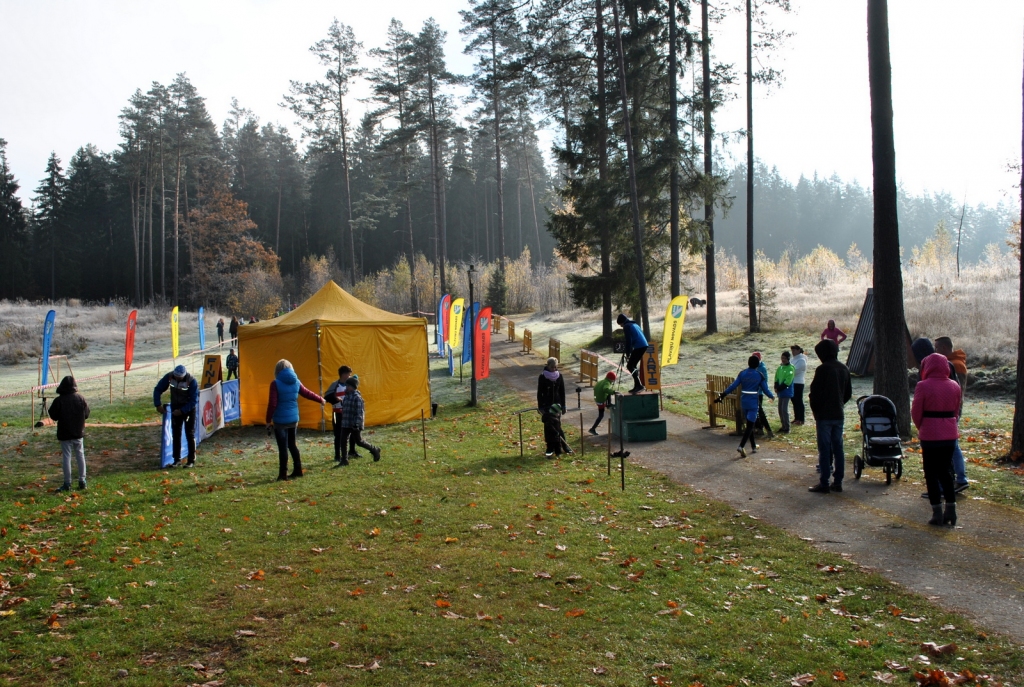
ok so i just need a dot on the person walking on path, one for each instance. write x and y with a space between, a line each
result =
751 385
958 359
70 411
336 397
184 400
220 331
283 416
602 392
554 437
830 391
636 346
799 375
762 426
550 387
233 328
935 412
784 388
353 415
833 333
232 365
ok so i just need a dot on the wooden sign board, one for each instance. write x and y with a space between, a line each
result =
211 371
650 369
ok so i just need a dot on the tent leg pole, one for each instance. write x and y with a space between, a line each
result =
423 427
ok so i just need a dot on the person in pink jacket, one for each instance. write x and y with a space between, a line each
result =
935 412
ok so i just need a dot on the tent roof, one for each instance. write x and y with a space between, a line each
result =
331 304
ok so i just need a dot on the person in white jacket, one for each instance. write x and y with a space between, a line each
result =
800 365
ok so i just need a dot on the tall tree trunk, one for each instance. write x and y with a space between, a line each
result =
177 219
890 324
604 230
634 200
200 300
751 293
149 211
133 195
487 220
348 189
497 147
440 244
413 300
533 206
277 226
673 124
1017 440
163 223
711 323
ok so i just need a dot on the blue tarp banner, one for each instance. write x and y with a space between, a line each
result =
229 393
467 337
202 330
47 338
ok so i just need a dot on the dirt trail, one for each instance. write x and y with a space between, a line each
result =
974 569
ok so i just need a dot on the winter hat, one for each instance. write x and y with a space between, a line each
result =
353 381
622 319
179 372
757 354
610 376
555 409
922 348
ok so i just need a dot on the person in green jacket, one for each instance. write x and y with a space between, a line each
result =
602 392
784 389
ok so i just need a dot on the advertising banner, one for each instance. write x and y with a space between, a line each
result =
210 413
442 322
129 339
467 334
675 315
229 397
455 322
482 343
47 339
451 362
174 332
202 330
650 371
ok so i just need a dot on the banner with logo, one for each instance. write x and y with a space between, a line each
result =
650 371
482 343
675 315
467 335
210 413
442 322
451 362
47 339
129 339
229 398
455 322
202 330
167 444
174 331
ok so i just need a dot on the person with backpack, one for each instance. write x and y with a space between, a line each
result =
602 392
70 411
784 389
184 401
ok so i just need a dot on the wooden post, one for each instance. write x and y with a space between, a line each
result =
581 434
520 435
110 386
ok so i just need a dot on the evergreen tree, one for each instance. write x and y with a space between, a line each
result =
49 217
14 234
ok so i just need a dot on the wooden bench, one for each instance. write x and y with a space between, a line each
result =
527 341
728 409
588 367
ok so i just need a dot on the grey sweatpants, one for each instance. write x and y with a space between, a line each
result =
67 448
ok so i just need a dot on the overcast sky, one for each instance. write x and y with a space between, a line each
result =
69 68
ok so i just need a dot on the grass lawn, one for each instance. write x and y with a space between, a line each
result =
470 567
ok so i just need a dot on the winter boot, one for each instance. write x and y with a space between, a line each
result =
949 516
375 452
297 472
81 485
65 487
936 515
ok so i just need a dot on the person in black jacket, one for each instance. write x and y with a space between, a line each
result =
550 387
70 411
184 401
830 391
233 328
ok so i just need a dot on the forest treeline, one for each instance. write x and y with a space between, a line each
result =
190 212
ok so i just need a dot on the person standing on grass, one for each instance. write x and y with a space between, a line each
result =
602 392
751 385
283 416
184 400
833 333
233 328
958 359
336 397
830 391
550 387
784 388
636 344
220 331
232 364
935 412
554 437
799 375
70 411
353 416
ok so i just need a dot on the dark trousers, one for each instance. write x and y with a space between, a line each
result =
938 471
220 336
350 435
231 372
762 419
600 416
748 434
798 403
189 421
336 422
285 445
635 356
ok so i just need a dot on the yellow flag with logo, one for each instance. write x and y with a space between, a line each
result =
675 315
455 322
174 331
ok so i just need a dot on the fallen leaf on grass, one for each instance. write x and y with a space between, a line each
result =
937 650
441 603
899 668
546 607
427 664
375 532
829 568
480 615
245 633
575 613
356 592
542 575
451 540
257 576
661 665
885 678
196 666
52 622
802 680
334 645
859 642
932 678
363 666
300 659
635 577
839 676
599 670
452 616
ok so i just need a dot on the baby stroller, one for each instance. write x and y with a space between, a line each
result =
881 444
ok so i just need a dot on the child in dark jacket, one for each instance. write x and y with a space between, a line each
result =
70 410
353 415
554 437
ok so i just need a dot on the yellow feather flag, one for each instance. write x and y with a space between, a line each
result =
174 331
675 315
455 322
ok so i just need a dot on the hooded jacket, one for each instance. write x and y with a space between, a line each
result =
602 390
784 380
184 392
799 368
70 411
283 406
550 390
831 388
936 407
959 361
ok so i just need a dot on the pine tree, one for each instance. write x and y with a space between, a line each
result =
49 214
14 233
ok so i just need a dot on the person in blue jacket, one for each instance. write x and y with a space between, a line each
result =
751 384
184 400
637 344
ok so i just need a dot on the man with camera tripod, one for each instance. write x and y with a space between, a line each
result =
636 346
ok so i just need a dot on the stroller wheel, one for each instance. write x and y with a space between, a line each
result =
899 469
888 473
858 467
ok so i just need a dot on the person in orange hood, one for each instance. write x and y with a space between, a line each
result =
958 359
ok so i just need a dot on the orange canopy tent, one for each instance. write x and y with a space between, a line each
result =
388 352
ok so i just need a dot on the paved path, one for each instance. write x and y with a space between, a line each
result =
976 569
